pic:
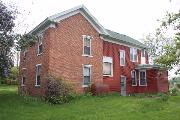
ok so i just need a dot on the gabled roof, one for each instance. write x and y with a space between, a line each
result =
123 39
106 34
60 16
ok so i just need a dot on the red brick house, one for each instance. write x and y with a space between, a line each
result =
74 45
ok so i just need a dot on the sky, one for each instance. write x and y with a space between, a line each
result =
135 18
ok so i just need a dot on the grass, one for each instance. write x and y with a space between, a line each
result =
112 107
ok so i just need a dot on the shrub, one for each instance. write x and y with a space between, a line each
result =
99 89
174 91
57 91
178 85
164 97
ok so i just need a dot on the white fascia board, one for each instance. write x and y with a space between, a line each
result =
119 43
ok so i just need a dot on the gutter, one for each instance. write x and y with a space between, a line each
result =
122 41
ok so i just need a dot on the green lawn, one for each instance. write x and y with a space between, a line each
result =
114 107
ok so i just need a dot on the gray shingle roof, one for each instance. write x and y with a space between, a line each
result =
123 39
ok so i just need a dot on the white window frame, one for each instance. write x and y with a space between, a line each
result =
135 77
22 84
90 67
85 36
123 51
36 74
133 51
140 78
108 60
40 39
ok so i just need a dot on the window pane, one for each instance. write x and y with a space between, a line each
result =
131 54
143 53
86 80
87 42
23 80
40 49
86 50
106 68
86 71
142 78
135 54
122 57
38 69
38 80
133 77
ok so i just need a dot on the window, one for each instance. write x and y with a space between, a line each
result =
24 76
133 78
143 52
40 46
122 57
25 55
107 66
23 81
133 54
142 77
38 75
86 75
87 45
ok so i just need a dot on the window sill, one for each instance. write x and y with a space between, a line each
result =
22 85
84 86
107 75
143 85
134 85
39 54
122 65
37 85
87 55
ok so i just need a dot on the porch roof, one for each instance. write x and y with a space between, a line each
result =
147 66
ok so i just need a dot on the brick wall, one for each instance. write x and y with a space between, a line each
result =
62 55
66 49
30 62
112 50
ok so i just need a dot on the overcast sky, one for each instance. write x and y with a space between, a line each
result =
134 18
131 17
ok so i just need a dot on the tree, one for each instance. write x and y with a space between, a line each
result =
7 17
165 43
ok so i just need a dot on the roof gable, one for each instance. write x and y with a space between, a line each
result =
60 16
105 34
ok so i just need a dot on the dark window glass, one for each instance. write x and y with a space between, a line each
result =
86 75
142 78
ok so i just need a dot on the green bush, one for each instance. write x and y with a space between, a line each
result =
178 85
164 97
174 91
57 91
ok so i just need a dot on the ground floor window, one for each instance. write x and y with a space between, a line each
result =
38 75
24 76
142 78
133 78
107 66
86 75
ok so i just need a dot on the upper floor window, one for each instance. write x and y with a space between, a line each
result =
122 57
38 75
142 78
133 54
133 78
143 52
25 54
40 45
107 66
87 45
86 75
